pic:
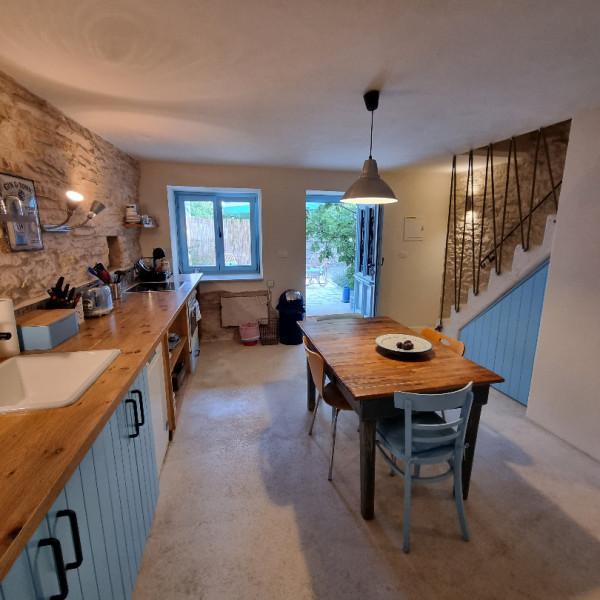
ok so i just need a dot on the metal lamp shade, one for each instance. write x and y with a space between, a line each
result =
369 188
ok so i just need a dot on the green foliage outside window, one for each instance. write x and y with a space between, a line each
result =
331 230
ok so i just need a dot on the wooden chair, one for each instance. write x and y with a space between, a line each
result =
330 394
455 345
435 336
421 437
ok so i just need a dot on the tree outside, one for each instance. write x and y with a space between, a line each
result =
331 239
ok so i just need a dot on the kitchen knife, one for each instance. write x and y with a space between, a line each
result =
102 273
90 270
58 287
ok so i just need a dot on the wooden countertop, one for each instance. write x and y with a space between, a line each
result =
40 450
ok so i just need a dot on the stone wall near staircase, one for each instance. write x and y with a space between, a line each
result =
460 265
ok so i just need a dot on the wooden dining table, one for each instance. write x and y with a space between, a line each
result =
368 376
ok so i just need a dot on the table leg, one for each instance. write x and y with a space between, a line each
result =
480 394
367 469
310 389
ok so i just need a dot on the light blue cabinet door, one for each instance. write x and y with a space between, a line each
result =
110 514
145 451
35 573
129 488
139 394
67 524
19 582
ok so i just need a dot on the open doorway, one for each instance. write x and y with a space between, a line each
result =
330 254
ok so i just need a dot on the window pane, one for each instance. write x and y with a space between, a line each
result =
200 231
237 236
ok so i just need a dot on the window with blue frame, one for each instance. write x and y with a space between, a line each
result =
218 231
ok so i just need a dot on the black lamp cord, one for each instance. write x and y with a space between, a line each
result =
371 146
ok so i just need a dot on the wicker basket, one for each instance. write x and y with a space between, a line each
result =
269 333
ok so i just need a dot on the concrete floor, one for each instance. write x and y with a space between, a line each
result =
246 512
327 300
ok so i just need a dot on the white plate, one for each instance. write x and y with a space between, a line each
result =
389 341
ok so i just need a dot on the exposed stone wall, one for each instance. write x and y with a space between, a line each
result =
40 143
461 255
210 307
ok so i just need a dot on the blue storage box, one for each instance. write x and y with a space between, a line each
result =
46 329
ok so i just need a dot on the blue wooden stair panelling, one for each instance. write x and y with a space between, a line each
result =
504 337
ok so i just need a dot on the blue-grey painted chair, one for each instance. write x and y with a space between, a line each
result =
422 437
330 393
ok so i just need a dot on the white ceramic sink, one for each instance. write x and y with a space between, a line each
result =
50 380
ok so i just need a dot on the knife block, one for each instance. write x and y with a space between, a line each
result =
46 329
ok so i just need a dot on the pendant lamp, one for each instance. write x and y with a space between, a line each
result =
369 188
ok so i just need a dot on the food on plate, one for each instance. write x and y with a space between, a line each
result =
406 345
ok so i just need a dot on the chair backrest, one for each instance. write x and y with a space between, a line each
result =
317 366
435 336
424 429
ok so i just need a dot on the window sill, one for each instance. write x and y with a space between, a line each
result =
232 277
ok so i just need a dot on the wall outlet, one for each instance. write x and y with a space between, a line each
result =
270 283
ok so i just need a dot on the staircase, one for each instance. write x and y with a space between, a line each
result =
523 264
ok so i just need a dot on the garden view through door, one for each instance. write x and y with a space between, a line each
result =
330 254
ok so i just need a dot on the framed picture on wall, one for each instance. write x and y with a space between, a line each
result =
19 212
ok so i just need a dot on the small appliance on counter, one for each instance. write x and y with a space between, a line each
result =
97 301
157 268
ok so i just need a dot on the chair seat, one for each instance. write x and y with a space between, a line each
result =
333 397
391 435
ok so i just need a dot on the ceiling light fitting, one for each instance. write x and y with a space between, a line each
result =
74 200
369 188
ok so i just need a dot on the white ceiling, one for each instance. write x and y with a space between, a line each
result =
276 82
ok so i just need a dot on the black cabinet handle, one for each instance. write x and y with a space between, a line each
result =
136 423
197 353
70 514
143 420
63 585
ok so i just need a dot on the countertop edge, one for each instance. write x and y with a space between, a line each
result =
26 429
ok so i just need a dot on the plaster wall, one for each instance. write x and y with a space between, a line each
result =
40 143
411 275
564 388
283 193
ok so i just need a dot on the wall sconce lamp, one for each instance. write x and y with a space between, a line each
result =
74 200
369 188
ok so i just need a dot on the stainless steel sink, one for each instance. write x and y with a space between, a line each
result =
50 380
